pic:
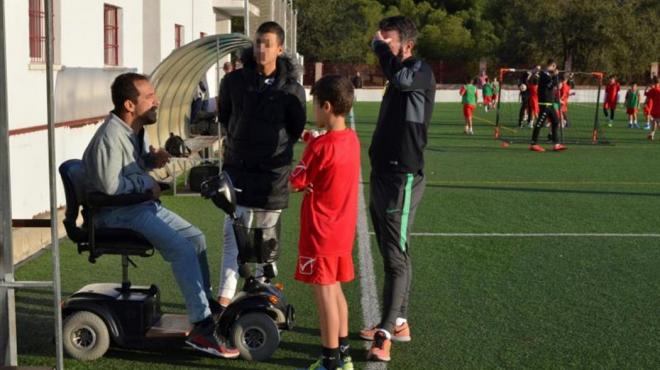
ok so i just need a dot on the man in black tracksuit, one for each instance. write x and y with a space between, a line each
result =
548 85
397 177
262 110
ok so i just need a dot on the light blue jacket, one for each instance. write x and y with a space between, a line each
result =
115 160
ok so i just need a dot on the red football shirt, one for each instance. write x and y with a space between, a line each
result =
328 216
612 93
654 96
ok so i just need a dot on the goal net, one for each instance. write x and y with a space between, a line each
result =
577 102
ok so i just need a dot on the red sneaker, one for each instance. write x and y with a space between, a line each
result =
401 333
204 339
559 147
536 148
380 348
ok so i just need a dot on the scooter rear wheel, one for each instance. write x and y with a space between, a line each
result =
86 336
256 336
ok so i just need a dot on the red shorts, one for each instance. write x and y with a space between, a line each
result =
564 108
467 110
324 270
647 109
486 99
535 107
631 110
609 105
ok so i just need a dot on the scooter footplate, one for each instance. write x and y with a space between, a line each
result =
170 326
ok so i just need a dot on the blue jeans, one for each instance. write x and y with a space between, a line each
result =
180 243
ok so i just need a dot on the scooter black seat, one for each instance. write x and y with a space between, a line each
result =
98 241
122 241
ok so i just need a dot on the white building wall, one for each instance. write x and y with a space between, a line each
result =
84 19
79 43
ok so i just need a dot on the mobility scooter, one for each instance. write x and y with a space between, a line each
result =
260 310
129 316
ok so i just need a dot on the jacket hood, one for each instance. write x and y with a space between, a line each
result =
287 64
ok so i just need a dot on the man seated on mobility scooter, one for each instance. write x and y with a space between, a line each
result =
116 162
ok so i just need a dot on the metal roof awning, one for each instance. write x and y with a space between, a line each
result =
177 76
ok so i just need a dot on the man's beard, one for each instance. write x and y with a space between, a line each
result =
399 55
149 117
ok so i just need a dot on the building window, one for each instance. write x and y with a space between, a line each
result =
37 34
111 35
178 35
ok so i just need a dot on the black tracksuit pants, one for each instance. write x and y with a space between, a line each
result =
393 202
547 111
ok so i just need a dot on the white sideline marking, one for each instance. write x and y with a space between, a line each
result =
536 235
368 290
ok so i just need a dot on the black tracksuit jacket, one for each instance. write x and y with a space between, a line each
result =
401 132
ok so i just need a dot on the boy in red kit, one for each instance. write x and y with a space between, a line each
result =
648 105
611 99
654 96
533 87
328 174
564 94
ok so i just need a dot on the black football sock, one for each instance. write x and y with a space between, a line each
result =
344 347
330 358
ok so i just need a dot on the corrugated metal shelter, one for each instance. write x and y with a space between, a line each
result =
177 77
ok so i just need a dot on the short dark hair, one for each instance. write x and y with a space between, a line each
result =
336 90
551 61
405 27
123 88
272 27
655 80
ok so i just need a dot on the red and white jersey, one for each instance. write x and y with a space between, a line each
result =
328 215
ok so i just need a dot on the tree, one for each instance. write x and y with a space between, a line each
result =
600 35
337 30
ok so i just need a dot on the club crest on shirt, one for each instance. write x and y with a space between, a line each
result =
306 265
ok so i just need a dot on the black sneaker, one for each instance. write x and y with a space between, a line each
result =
203 338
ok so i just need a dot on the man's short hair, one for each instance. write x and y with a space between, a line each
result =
551 61
655 80
336 90
405 27
272 27
123 88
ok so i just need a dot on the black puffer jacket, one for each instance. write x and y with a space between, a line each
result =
262 121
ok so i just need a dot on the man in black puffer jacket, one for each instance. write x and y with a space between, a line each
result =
262 110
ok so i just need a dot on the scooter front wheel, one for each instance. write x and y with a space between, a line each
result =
256 336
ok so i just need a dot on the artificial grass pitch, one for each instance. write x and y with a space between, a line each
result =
478 302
